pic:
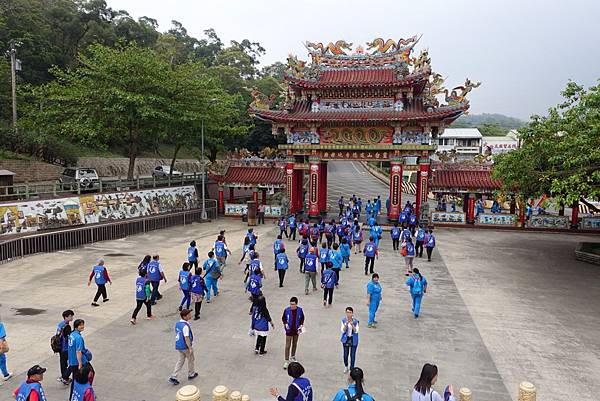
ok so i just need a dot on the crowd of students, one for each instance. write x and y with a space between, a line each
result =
323 248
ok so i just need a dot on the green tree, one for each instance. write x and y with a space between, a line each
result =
115 97
560 155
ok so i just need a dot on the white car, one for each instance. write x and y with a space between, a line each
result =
163 172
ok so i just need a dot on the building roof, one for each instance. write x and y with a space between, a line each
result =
463 180
7 172
353 77
305 115
461 133
252 176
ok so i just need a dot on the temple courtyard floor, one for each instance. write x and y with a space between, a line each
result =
502 307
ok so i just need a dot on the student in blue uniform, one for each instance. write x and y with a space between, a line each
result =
357 238
211 275
395 234
142 297
371 221
403 219
321 226
78 353
220 249
155 274
310 269
376 233
314 235
323 255
293 226
369 208
371 252
197 291
82 387
192 255
261 319
302 251
63 329
255 284
410 255
31 389
373 298
405 233
3 368
328 283
184 285
355 211
283 227
253 237
299 390
341 205
336 260
282 264
345 252
412 223
341 229
429 244
418 287
184 343
330 233
278 246
100 275
420 238
355 390
349 339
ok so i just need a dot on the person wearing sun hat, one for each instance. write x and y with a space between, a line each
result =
31 389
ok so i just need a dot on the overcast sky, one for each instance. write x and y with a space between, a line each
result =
523 51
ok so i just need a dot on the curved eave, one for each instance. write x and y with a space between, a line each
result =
448 114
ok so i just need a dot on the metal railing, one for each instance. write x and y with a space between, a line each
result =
46 190
75 237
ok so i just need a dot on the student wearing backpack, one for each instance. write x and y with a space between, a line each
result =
328 282
299 390
278 246
198 289
409 255
261 319
420 239
310 270
395 234
192 254
211 275
430 244
100 276
302 251
349 339
184 285
423 390
418 287
373 299
355 390
63 329
357 237
371 252
142 297
282 264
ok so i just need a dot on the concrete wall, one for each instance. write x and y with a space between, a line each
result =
29 170
118 166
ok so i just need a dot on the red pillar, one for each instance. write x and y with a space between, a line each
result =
290 186
575 215
221 200
422 185
299 185
471 209
255 195
264 197
231 197
313 188
395 189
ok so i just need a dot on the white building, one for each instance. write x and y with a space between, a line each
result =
501 144
465 141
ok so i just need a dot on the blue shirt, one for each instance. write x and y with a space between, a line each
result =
310 263
220 249
336 259
179 336
410 249
412 281
305 393
395 232
184 280
328 278
140 288
323 255
345 249
374 290
192 254
420 234
64 340
341 395
277 246
254 284
198 285
26 388
76 343
80 389
282 261
370 249
99 275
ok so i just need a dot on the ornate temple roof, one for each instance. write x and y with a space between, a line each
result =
355 77
463 178
250 176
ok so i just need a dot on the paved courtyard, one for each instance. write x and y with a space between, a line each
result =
520 309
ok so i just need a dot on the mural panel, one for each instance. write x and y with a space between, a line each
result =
238 209
547 221
498 219
448 217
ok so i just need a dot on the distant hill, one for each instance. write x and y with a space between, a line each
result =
490 118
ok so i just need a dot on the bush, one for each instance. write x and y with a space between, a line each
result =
44 147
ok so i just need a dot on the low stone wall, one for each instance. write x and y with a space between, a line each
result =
118 166
31 170
581 254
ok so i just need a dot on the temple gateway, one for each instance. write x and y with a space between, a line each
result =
377 103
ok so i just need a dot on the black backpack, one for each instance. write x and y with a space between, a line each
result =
56 343
352 397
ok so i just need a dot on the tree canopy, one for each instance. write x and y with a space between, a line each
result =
560 155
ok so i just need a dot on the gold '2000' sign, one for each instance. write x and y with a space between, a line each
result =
356 136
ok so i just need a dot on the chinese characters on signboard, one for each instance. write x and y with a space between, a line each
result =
238 209
355 155
448 217
498 219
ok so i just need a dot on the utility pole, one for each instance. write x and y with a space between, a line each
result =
203 215
13 73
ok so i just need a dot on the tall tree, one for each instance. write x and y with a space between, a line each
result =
560 155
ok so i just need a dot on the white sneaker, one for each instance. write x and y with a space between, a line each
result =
8 377
346 369
285 364
293 359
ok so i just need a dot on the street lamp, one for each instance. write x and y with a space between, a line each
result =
15 65
203 214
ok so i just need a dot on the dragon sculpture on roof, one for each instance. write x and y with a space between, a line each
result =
454 97
336 49
382 46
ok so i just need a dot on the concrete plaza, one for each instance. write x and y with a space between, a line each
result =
521 309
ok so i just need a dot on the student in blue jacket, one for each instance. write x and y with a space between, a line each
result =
418 287
374 299
261 319
349 339
336 260
198 289
345 252
184 285
281 263
395 234
355 390
328 283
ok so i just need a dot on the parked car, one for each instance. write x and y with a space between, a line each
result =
86 177
163 172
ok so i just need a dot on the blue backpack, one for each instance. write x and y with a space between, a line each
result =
417 288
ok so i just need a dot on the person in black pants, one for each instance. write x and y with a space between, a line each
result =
64 329
261 319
